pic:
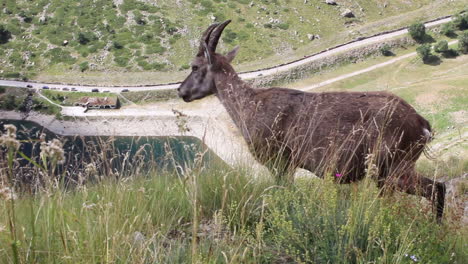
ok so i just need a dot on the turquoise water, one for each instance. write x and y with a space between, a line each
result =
117 154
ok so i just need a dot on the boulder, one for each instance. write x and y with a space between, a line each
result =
347 13
330 2
457 197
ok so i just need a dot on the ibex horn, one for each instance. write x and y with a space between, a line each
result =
216 34
206 36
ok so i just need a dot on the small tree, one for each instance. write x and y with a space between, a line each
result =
5 35
424 52
441 47
117 45
417 31
385 50
463 42
461 21
84 66
448 29
86 37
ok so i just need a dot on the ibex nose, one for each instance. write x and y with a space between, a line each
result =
183 95
186 98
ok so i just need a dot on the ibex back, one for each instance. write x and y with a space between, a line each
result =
345 134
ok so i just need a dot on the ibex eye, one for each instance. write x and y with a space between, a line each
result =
194 68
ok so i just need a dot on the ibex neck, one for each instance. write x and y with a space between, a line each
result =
235 95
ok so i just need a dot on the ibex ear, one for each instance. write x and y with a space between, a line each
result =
207 54
232 54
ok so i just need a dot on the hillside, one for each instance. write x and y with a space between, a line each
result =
78 41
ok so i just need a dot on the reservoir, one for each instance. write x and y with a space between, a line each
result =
119 155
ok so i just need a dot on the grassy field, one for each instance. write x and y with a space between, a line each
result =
69 98
108 42
220 215
144 97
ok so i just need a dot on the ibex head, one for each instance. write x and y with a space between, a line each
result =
207 63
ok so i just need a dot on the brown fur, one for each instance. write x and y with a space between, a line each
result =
347 134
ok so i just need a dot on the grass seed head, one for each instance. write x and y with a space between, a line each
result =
53 150
8 139
7 194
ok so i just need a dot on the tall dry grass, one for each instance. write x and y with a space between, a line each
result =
200 214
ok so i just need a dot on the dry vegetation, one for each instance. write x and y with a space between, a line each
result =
81 209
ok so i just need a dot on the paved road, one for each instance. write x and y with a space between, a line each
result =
245 76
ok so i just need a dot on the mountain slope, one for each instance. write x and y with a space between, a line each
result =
60 37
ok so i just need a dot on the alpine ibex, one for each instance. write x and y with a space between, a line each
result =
346 134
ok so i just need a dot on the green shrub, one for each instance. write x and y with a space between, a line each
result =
117 45
174 39
448 29
14 26
123 37
158 66
242 35
139 19
86 37
385 50
461 21
171 29
15 75
424 52
144 64
283 26
26 16
5 35
229 36
417 31
84 66
147 38
441 47
463 42
184 67
134 46
219 17
155 48
2 89
121 61
16 59
8 102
